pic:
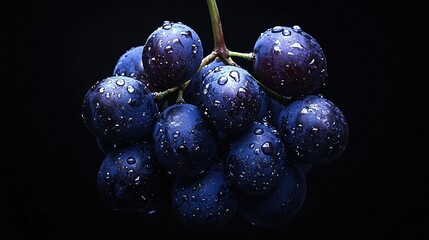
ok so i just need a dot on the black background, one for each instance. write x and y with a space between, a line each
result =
54 51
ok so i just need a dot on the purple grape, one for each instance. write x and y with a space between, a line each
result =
289 61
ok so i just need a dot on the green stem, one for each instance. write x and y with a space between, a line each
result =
247 56
219 40
274 94
160 95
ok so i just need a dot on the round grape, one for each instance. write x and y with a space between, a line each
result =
279 205
119 109
231 98
172 55
313 129
206 201
130 179
184 140
255 159
289 61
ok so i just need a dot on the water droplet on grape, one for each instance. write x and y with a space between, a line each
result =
187 34
235 75
131 160
166 25
241 93
194 48
286 32
101 90
176 134
182 149
256 151
297 45
222 80
297 28
120 82
276 29
216 103
130 88
258 131
267 148
169 49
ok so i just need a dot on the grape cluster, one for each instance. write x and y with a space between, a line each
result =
206 136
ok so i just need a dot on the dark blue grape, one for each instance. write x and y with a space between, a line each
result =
172 55
130 64
313 129
192 93
231 98
264 112
279 205
274 110
119 109
289 61
255 159
184 140
205 202
130 179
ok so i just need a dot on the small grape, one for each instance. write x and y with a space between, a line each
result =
255 159
130 64
184 140
231 98
289 61
279 205
119 109
313 129
130 179
205 202
171 55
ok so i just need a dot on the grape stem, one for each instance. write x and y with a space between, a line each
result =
219 41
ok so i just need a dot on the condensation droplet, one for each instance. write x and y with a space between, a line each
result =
258 131
131 160
222 80
276 29
241 93
120 82
168 49
297 28
235 75
297 45
267 148
176 134
130 88
286 32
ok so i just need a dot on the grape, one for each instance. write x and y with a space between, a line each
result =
130 179
264 114
255 159
231 98
289 61
206 201
279 205
192 93
183 139
172 55
130 64
313 129
119 109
